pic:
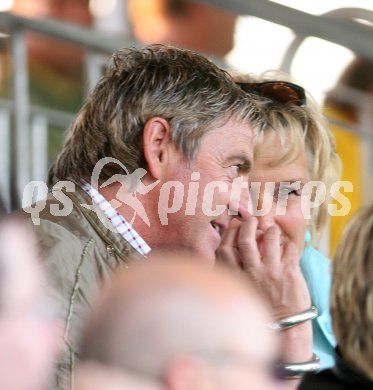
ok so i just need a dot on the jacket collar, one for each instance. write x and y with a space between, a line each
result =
98 220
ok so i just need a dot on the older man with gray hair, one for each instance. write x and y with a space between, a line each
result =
161 132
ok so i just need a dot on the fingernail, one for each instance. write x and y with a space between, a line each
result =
274 229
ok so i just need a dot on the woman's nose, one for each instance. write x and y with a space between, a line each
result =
264 210
241 207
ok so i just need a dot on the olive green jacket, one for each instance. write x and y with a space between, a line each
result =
80 254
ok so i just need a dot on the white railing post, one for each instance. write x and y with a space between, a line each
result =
21 111
5 157
39 136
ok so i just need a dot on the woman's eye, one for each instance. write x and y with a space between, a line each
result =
235 169
286 191
239 169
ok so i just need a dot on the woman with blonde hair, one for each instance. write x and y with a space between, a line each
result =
352 309
295 165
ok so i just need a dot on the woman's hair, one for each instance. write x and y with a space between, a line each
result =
300 127
352 292
181 86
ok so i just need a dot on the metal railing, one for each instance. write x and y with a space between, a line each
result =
341 14
350 34
23 157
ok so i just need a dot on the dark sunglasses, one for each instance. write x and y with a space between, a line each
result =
281 92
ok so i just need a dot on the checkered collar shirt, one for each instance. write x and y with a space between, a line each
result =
117 220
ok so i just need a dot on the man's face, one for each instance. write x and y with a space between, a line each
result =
224 155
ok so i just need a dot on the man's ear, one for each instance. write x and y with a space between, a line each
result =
156 140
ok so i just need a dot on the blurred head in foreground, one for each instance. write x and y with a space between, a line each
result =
352 293
29 334
178 325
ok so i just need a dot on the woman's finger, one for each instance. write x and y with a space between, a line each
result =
290 257
247 244
271 247
227 252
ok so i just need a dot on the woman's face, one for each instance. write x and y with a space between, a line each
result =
284 201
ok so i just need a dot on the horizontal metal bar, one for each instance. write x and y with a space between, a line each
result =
367 136
68 32
340 13
346 13
353 35
64 120
54 117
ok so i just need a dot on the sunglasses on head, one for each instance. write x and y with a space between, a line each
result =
281 92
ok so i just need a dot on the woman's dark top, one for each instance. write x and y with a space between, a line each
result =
342 376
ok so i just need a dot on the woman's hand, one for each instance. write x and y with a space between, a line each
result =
273 266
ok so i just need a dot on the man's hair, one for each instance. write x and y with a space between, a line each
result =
352 292
181 86
298 128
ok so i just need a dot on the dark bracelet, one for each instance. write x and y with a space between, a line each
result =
297 370
296 319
